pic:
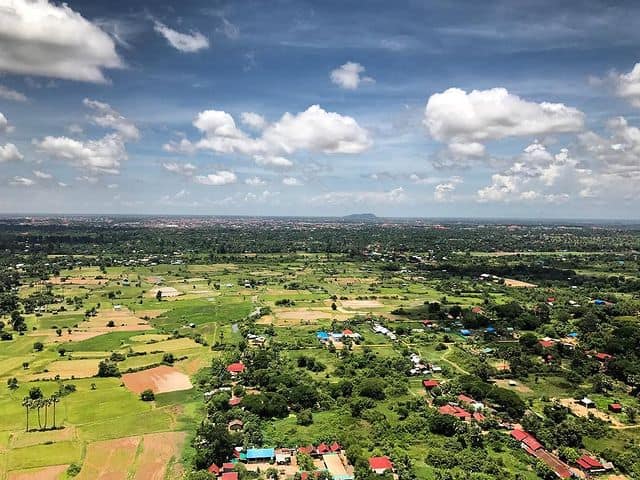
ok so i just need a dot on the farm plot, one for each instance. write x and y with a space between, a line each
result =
69 369
110 459
53 472
159 454
159 379
360 304
510 282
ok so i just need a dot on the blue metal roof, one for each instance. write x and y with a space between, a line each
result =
257 453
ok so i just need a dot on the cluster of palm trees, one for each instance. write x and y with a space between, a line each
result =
38 404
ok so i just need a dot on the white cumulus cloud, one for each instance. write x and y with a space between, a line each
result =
349 76
222 177
466 120
44 38
314 130
107 117
627 85
10 153
291 182
185 42
103 155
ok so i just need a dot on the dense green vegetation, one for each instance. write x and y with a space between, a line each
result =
523 321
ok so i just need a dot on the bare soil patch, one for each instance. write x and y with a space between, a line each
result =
53 472
510 282
358 304
518 388
158 451
581 411
159 379
109 460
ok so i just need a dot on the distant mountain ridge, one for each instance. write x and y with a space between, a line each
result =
361 217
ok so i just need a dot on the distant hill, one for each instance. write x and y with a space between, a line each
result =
361 217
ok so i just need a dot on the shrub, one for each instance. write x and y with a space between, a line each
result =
147 396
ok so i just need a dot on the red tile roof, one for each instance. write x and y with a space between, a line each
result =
430 383
546 343
230 476
519 435
347 332
323 448
603 356
237 367
477 310
380 463
478 417
465 398
615 407
335 446
455 411
554 463
307 450
213 468
587 462
532 443
228 466
527 439
235 401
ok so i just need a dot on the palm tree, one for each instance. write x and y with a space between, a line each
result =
54 399
38 405
45 403
26 403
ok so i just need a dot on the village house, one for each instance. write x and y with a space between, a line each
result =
380 465
590 465
236 369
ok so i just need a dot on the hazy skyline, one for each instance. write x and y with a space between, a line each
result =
421 109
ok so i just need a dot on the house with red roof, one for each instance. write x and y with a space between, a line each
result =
235 401
227 467
323 448
430 384
229 476
465 399
478 417
236 369
454 411
590 465
534 448
477 310
603 357
214 469
615 407
546 343
308 450
380 465
335 447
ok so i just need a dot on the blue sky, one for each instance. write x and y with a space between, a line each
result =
432 108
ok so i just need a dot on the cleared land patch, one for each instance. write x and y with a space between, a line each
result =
110 459
358 304
159 379
510 282
158 452
53 472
